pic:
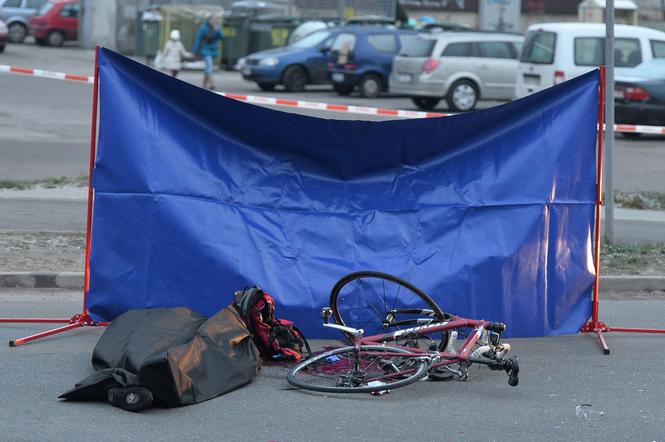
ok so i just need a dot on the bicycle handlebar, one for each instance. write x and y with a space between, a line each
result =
498 327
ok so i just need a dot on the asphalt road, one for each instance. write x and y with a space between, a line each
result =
43 215
44 132
45 124
557 375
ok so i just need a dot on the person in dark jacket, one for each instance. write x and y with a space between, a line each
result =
207 46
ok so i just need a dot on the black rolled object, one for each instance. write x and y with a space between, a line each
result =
182 357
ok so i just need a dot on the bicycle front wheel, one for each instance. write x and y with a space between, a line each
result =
370 368
382 303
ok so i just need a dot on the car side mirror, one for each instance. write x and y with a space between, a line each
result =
324 50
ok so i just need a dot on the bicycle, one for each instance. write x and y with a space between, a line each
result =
415 339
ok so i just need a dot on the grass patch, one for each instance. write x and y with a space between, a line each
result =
643 259
15 184
640 200
49 183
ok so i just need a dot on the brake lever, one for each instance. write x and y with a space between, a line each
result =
326 312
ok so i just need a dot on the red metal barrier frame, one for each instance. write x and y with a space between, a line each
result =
595 325
82 319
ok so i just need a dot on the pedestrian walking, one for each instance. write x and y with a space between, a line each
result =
207 46
173 54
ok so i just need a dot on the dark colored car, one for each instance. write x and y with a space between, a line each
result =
56 22
3 35
640 99
362 56
295 66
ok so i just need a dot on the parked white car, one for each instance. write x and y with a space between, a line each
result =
555 52
462 67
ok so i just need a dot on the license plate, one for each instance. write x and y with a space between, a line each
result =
337 77
618 93
404 78
246 71
532 80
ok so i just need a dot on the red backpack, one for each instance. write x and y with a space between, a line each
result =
275 338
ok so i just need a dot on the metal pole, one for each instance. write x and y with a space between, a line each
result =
609 121
599 196
93 147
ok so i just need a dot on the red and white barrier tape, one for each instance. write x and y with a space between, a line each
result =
272 101
254 99
46 74
636 128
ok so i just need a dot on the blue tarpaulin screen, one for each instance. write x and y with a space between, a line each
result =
198 195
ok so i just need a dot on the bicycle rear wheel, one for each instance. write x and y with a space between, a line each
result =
369 369
382 303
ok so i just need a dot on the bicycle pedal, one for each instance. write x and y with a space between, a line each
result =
377 384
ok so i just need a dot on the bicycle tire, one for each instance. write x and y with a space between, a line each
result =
293 376
345 280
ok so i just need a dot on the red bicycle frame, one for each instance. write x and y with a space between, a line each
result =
479 326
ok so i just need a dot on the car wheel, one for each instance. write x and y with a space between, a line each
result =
55 38
343 89
17 32
632 135
462 96
370 86
267 87
2 49
294 79
425 103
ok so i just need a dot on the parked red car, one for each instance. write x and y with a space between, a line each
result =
55 22
3 35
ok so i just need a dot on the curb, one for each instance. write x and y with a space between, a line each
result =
74 280
630 283
42 280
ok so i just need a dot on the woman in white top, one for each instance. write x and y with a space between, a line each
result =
173 54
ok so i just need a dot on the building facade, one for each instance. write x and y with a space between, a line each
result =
650 13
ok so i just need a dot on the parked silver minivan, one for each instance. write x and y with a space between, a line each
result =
461 67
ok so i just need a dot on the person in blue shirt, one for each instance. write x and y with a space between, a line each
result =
207 46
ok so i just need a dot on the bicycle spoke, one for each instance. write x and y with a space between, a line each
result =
399 287
378 313
366 294
336 372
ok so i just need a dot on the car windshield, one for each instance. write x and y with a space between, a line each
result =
45 8
539 47
418 47
311 40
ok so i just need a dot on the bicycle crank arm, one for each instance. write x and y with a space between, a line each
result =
462 374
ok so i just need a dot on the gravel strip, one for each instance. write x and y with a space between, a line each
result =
41 251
